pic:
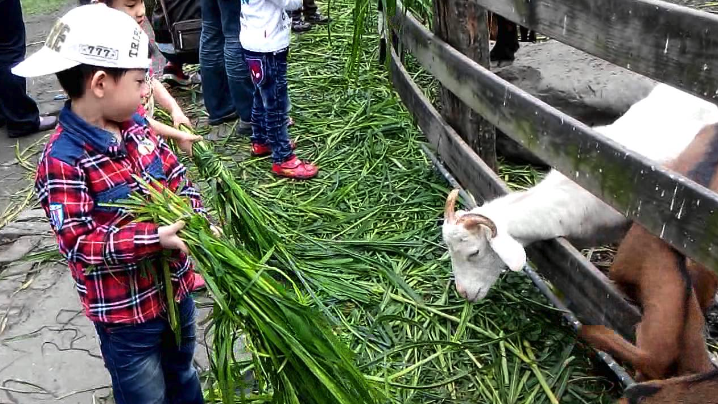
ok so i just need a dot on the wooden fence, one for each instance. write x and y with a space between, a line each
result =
668 43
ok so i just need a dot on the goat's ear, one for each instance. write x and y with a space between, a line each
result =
510 251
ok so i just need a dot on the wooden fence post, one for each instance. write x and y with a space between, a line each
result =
463 25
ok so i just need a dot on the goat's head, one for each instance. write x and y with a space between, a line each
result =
479 250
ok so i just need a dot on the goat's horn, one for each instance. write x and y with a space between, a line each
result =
449 214
470 220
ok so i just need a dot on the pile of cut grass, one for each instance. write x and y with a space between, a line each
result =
365 237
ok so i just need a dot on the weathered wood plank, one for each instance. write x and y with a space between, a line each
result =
464 26
667 204
587 292
669 43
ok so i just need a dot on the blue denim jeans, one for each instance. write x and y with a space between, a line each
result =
226 85
271 102
146 364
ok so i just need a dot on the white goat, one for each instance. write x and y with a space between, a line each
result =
489 238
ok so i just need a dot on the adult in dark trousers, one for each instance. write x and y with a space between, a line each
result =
226 85
177 10
311 16
17 110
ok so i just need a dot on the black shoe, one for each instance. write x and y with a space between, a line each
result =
46 123
300 26
317 18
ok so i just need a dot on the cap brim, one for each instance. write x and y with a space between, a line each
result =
43 62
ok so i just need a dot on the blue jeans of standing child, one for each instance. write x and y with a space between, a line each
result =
271 102
226 85
146 364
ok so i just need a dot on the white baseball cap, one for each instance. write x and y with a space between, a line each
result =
94 35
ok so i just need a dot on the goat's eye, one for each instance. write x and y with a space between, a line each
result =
474 254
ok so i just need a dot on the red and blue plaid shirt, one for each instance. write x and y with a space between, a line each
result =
84 166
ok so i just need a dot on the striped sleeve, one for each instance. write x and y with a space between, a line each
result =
65 198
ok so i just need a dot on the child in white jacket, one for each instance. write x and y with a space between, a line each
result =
264 35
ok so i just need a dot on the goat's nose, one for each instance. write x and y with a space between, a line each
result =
461 289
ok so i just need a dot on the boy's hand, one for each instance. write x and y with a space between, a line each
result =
216 231
169 238
179 118
185 141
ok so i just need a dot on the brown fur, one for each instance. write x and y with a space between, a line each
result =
493 27
695 389
670 337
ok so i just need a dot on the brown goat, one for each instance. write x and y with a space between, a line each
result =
694 389
670 337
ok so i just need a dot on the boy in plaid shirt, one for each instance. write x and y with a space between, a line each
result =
100 56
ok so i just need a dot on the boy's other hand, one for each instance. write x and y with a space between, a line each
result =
217 231
169 238
185 141
179 118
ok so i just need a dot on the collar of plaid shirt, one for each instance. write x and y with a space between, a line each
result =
100 140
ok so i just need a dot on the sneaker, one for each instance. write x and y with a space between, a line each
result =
261 150
295 168
300 26
174 75
199 283
317 18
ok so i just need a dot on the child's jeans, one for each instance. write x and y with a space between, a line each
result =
146 364
271 102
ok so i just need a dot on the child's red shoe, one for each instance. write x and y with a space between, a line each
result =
261 150
296 169
199 283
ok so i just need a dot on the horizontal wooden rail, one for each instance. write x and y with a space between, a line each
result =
587 292
680 211
673 44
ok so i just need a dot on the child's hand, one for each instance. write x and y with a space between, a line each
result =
169 238
185 141
179 118
216 231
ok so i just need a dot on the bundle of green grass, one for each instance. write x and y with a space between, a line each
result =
296 355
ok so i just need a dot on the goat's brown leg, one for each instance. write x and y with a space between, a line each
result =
693 357
661 284
658 336
705 284
605 339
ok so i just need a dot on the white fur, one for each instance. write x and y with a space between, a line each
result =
659 127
